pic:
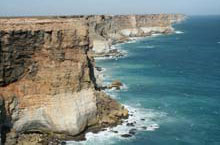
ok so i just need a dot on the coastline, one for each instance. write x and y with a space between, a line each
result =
137 120
119 53
128 126
168 88
168 100
108 113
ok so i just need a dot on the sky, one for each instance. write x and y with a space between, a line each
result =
88 7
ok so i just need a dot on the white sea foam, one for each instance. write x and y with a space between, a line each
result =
152 127
150 46
134 39
179 32
218 42
124 87
103 70
143 120
114 47
102 58
110 57
157 34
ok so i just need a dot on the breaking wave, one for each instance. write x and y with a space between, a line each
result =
179 32
140 120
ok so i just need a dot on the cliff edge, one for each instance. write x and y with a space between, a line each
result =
47 81
104 31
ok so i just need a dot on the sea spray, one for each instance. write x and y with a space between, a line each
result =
179 32
140 120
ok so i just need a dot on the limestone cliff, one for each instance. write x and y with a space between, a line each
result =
46 75
107 30
46 69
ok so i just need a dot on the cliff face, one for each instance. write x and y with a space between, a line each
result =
108 30
46 74
1 117
46 71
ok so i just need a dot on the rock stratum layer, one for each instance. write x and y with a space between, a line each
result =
47 82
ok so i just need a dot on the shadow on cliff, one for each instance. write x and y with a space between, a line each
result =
4 128
92 73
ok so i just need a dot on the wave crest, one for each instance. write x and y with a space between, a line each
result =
179 32
140 120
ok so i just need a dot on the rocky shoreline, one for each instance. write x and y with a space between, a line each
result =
110 114
115 53
49 86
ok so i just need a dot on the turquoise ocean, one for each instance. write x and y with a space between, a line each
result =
171 87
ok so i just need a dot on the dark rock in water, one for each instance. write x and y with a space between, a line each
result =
98 68
142 119
130 124
63 143
114 51
133 131
144 127
80 137
103 129
114 131
103 87
126 135
96 130
116 84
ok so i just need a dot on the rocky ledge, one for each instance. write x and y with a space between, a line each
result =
48 88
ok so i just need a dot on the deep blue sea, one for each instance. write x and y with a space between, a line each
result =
172 86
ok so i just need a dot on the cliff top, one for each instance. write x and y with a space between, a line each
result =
80 16
59 22
35 23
